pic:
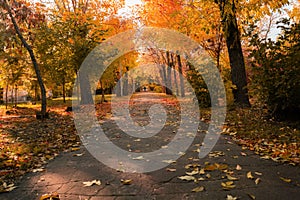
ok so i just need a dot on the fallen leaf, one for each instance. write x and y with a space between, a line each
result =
171 170
169 161
187 178
138 158
75 149
202 171
229 197
78 154
9 187
194 172
126 181
216 154
221 166
53 196
38 170
258 173
287 180
257 181
243 154
238 167
90 183
266 157
210 167
251 196
231 178
228 185
249 175
198 189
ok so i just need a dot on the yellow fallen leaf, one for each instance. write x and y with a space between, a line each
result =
202 171
171 170
188 166
9 187
216 154
138 158
243 154
231 178
198 189
208 176
210 167
90 183
53 196
194 172
75 149
229 197
126 181
257 181
252 196
265 157
287 180
227 185
197 150
258 173
38 170
249 175
187 178
238 167
78 154
221 166
169 161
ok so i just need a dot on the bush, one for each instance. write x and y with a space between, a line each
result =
158 89
276 71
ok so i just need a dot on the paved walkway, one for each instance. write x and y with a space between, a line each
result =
66 174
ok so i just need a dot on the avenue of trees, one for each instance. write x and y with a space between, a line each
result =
42 47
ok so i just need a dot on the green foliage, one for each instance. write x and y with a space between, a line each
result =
276 72
200 88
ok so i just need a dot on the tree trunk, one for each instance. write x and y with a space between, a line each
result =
182 92
33 59
125 84
12 96
102 92
176 82
16 96
168 79
64 89
164 78
236 58
85 89
6 95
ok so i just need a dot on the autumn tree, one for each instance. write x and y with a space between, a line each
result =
233 42
23 13
79 26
